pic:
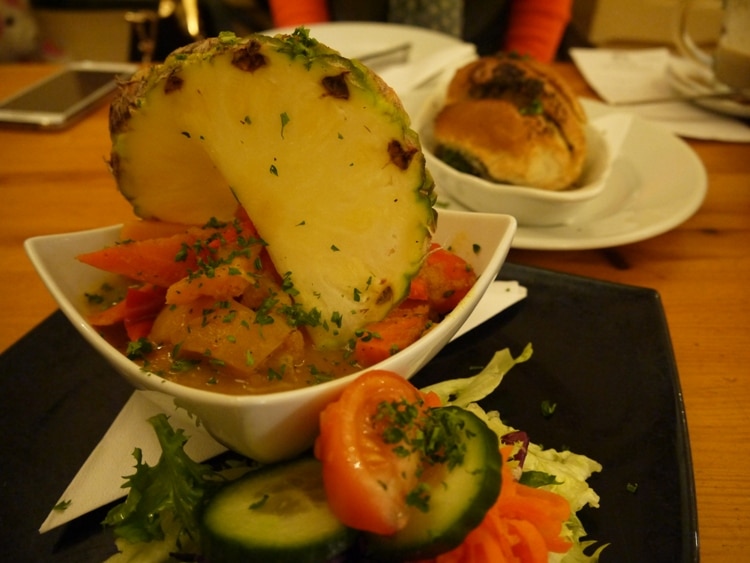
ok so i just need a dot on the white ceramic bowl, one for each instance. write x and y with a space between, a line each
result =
530 206
278 425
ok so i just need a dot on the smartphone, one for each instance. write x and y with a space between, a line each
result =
59 99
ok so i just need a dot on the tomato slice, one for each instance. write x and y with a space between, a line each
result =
367 473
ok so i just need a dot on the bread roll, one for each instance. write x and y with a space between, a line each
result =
512 120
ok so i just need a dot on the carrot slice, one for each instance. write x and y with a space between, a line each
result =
109 316
447 277
143 229
403 326
142 305
524 525
160 261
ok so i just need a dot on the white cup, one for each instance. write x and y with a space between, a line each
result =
730 62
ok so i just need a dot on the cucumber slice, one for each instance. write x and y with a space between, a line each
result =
274 514
459 497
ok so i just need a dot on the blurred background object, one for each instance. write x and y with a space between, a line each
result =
118 30
121 30
642 22
18 31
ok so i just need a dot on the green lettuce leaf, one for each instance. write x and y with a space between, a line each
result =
176 486
462 392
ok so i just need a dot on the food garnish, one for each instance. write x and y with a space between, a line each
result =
442 480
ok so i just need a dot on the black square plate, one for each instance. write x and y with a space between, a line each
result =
602 354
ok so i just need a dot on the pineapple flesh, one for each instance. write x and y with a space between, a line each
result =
315 147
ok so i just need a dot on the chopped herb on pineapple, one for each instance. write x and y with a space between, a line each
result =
259 503
287 285
336 318
284 122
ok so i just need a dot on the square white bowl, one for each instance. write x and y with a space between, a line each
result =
273 426
534 207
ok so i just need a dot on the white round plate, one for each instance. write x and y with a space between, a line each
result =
356 39
656 183
688 78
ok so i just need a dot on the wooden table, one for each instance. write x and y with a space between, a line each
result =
53 182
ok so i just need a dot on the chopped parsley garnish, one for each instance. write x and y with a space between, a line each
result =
259 503
284 122
366 335
437 436
548 408
287 285
297 316
276 375
182 254
419 497
182 365
263 314
94 298
538 479
337 318
62 505
139 348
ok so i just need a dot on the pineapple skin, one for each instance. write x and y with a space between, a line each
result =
316 148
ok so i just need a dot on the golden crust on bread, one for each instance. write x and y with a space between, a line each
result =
512 120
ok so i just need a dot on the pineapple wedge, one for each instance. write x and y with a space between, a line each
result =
316 148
